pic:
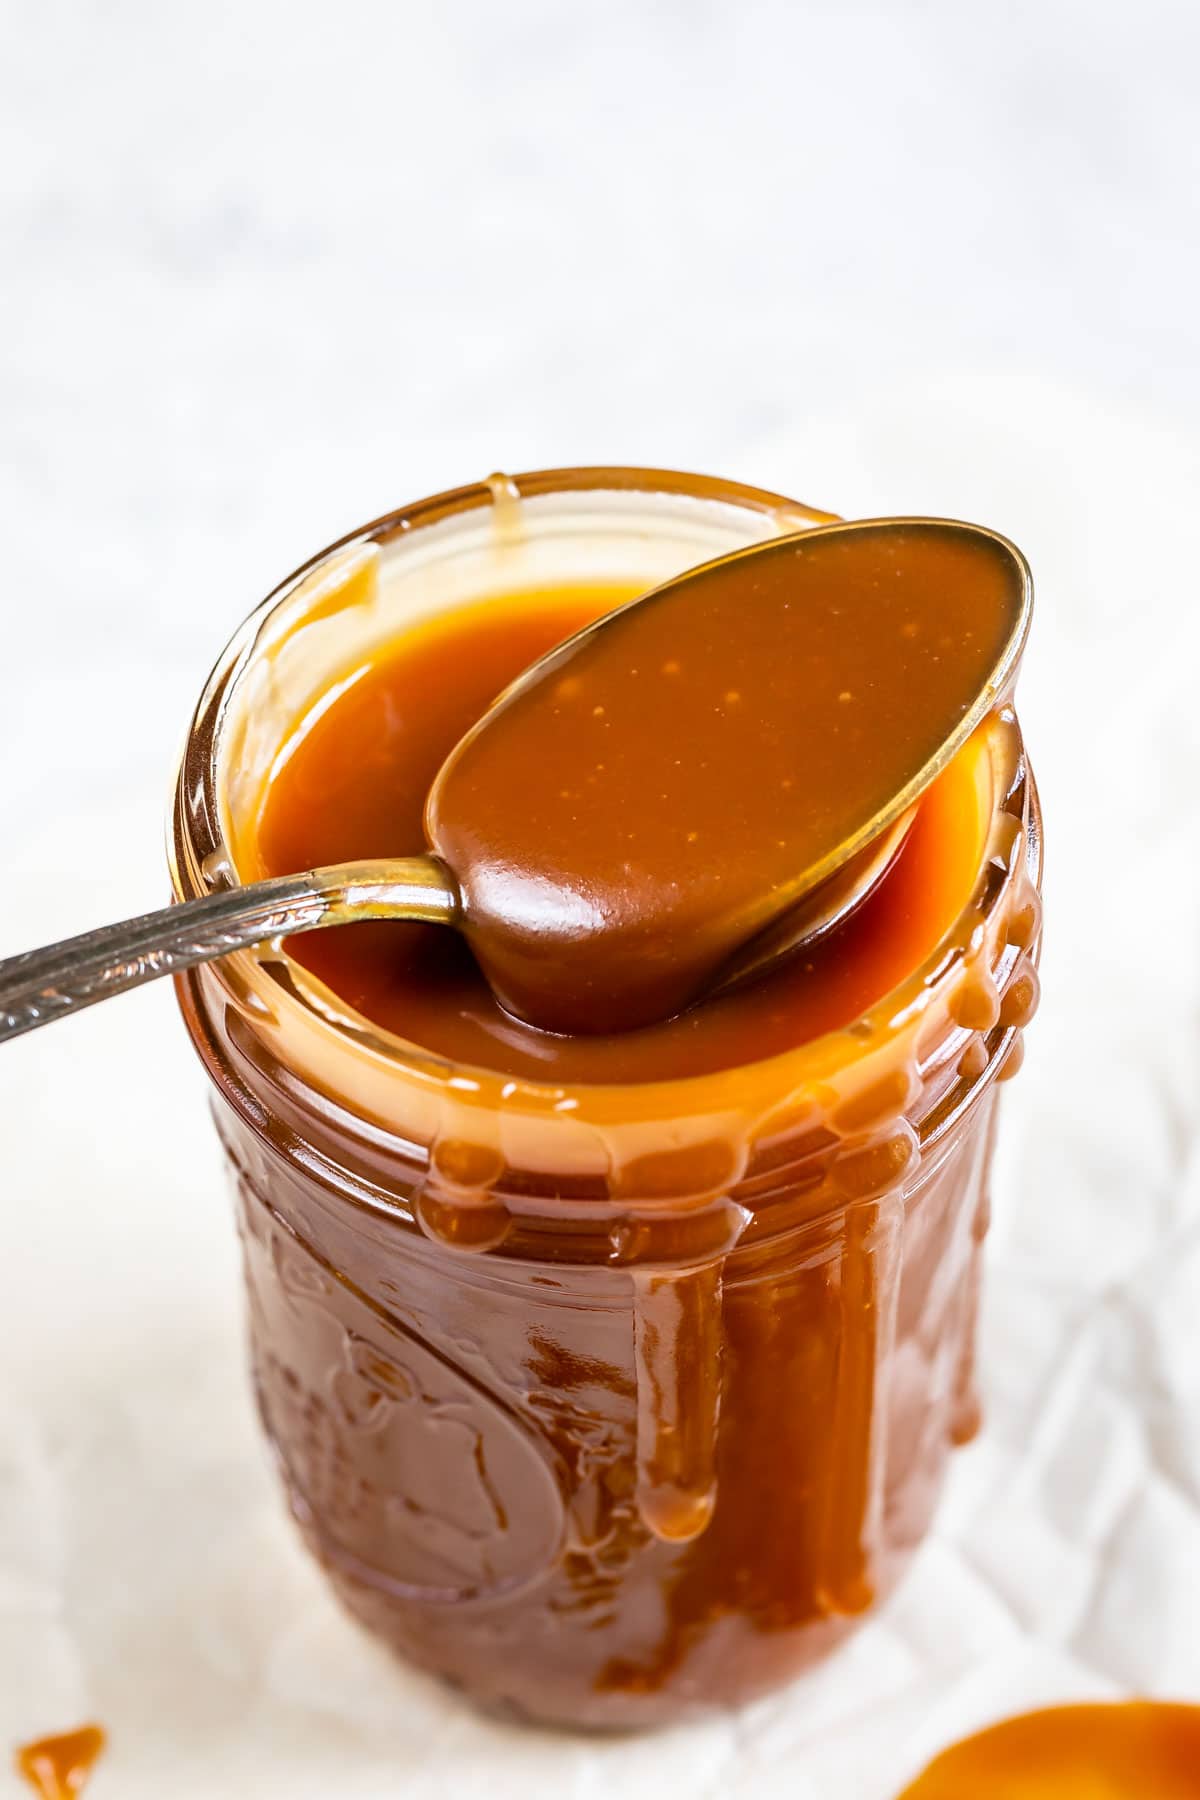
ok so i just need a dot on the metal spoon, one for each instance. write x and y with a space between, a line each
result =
45 984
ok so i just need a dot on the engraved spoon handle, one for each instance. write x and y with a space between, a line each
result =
41 985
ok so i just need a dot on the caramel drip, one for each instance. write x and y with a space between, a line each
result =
456 1207
507 520
857 1453
462 1221
976 1003
58 1767
677 1353
966 1411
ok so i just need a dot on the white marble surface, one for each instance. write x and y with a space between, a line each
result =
266 270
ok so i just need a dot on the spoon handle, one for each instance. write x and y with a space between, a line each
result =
41 985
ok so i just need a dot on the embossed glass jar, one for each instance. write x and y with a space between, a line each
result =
610 1403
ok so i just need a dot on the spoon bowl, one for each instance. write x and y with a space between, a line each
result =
673 782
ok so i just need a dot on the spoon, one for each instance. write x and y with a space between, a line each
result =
693 787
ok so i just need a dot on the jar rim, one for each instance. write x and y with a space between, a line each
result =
197 840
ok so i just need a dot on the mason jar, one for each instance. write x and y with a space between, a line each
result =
607 1403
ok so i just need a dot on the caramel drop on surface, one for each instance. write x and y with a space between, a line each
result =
58 1767
1139 1750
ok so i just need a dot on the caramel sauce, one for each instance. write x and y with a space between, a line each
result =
1139 1750
606 1397
58 1767
354 784
653 796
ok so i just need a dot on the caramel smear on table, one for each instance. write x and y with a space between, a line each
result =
1139 1750
58 1767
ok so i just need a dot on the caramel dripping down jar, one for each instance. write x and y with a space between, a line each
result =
607 1404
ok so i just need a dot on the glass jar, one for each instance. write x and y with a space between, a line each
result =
606 1403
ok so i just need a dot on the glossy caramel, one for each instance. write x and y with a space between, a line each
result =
58 1767
354 784
646 801
1139 1750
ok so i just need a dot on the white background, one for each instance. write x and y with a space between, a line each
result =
268 270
